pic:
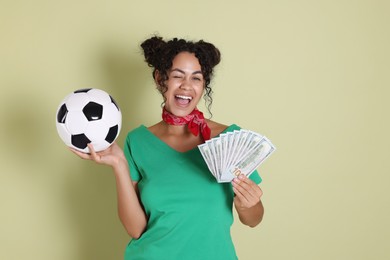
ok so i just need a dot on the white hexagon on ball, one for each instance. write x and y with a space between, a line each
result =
88 116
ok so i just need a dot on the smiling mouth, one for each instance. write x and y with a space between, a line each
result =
183 100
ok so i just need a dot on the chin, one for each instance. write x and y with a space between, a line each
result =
181 111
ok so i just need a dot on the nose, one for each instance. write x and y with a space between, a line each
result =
185 84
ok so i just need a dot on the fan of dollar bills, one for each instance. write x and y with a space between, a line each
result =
234 153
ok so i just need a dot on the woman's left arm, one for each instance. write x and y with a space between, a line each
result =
248 201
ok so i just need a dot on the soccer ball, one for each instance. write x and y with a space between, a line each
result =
88 116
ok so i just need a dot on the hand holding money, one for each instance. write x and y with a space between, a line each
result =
248 193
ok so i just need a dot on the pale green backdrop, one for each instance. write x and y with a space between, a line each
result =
313 76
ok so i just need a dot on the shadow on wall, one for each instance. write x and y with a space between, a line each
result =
85 191
26 125
131 81
92 203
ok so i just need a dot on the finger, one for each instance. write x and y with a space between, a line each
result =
93 153
250 186
245 187
239 195
241 190
80 154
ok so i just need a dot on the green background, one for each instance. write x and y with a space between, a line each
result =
313 76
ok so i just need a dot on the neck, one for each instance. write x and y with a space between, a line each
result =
174 129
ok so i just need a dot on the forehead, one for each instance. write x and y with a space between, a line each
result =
186 60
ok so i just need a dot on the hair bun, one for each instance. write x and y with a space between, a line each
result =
212 52
152 48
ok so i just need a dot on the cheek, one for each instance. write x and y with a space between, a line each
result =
200 90
172 84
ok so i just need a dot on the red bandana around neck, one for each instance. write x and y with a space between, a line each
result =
195 122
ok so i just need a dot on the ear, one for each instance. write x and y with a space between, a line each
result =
157 78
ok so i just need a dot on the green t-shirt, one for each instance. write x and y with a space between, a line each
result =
189 212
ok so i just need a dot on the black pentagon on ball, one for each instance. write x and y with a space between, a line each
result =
83 90
93 111
80 141
112 134
62 113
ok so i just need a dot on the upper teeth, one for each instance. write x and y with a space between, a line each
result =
184 97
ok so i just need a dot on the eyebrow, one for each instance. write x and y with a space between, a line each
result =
181 71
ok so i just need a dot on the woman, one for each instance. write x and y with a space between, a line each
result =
168 201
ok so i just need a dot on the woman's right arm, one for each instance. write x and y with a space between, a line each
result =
130 210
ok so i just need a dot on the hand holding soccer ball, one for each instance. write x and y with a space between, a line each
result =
88 116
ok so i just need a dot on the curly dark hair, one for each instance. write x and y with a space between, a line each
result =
159 55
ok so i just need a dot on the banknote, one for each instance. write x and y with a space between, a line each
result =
234 153
207 156
251 160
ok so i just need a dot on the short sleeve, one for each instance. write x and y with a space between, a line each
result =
255 177
134 173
